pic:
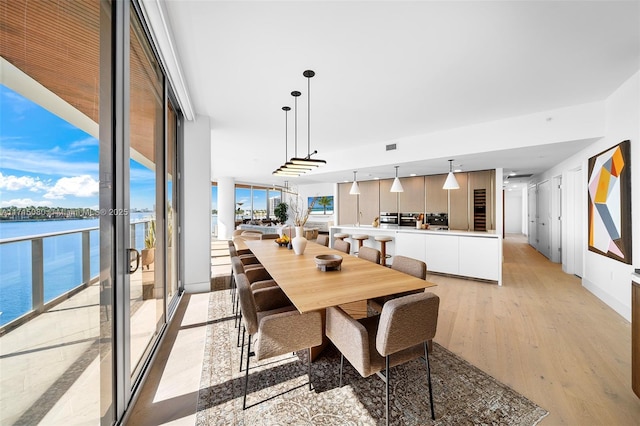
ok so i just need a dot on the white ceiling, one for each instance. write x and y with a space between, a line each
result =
392 70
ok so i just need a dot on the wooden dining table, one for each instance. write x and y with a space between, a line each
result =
311 289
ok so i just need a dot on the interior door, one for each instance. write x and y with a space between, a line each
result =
544 218
532 217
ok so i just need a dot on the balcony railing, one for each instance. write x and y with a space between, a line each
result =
40 271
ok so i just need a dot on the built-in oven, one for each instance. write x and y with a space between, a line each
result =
388 218
408 219
437 220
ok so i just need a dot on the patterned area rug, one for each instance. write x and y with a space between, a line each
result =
279 393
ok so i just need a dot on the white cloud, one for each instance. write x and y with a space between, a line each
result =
77 186
16 183
25 202
43 162
90 141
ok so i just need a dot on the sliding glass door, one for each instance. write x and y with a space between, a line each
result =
146 198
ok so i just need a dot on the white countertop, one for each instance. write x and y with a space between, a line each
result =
635 277
410 230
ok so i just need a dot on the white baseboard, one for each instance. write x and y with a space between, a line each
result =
616 305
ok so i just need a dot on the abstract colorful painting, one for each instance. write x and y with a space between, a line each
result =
610 203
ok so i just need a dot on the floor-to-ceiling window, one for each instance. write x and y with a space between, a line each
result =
89 177
256 203
54 330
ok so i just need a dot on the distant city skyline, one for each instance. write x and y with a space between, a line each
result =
47 162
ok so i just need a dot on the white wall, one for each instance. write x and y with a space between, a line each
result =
196 213
319 190
226 207
513 212
578 122
609 279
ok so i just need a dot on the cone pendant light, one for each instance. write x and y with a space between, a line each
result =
451 182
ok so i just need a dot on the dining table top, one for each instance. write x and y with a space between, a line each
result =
311 289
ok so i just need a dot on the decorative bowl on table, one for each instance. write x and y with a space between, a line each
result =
282 242
326 262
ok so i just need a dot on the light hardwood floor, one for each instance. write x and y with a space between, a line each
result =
545 336
541 333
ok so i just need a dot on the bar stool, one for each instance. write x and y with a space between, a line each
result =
340 236
383 239
360 238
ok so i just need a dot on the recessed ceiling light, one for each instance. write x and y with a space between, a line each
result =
457 170
376 178
512 174
412 174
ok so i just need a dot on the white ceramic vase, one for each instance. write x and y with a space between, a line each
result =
299 242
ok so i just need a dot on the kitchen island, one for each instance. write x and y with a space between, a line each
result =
469 254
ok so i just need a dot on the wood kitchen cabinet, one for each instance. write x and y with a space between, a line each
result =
346 204
388 199
412 199
482 180
458 213
369 201
436 201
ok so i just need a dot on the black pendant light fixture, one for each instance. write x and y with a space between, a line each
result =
299 165
283 170
308 161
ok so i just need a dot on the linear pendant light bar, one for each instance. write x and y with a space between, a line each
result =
300 165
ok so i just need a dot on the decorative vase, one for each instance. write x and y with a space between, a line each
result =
299 242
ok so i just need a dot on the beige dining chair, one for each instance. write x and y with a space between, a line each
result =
343 246
399 334
323 239
277 331
408 265
369 253
258 278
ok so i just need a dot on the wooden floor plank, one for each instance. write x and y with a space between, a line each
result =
544 335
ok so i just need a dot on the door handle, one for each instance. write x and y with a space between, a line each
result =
131 251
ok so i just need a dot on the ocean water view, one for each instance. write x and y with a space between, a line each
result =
62 259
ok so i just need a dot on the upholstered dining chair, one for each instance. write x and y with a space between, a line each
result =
249 261
239 251
343 246
323 239
258 278
408 265
369 253
277 331
375 344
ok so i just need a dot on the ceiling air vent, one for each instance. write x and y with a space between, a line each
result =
391 147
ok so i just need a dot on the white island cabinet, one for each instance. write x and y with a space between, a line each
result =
468 254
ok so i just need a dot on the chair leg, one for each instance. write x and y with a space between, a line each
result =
426 355
386 375
239 327
242 347
246 376
341 365
309 362
233 291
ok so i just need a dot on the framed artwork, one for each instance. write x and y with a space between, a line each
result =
609 203
323 205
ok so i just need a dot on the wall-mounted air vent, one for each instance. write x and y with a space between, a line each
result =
391 147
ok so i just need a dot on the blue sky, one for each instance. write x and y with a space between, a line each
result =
45 161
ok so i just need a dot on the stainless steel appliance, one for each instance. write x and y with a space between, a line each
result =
408 219
388 218
437 220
